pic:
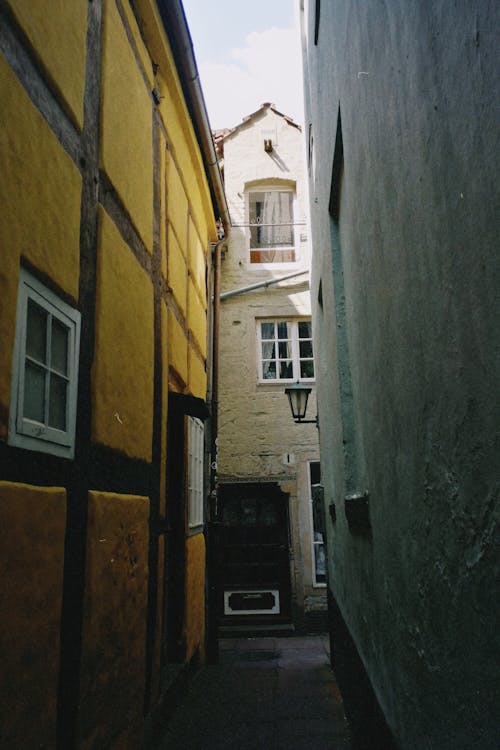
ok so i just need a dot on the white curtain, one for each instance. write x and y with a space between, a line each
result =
277 212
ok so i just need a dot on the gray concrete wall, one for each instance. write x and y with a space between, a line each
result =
409 361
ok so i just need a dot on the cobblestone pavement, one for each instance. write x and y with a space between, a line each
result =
265 694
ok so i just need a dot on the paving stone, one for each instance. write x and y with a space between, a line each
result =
265 694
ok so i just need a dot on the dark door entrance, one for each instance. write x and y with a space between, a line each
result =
254 554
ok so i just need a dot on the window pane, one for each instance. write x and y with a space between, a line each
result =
286 370
282 330
305 329
59 347
268 513
267 330
273 212
306 348
285 350
269 370
268 350
307 369
36 332
320 563
34 393
248 512
57 402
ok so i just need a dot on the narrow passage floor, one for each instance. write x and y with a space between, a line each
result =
265 694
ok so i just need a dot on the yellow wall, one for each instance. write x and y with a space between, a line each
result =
41 199
195 595
122 383
59 38
126 128
32 520
40 191
178 347
114 628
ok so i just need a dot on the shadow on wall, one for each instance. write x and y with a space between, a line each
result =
369 730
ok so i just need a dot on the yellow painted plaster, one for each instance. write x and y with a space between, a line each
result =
163 205
195 595
33 521
175 116
178 347
177 271
165 346
156 671
138 41
57 31
114 626
197 259
40 193
122 373
126 126
197 317
197 375
177 205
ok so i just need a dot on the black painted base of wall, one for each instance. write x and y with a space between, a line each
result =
369 729
176 679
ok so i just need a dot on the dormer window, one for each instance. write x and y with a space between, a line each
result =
271 220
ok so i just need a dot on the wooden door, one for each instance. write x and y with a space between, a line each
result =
254 554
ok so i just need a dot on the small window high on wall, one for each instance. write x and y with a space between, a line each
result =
271 219
285 350
45 371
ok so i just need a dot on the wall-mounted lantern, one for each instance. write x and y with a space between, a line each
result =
298 396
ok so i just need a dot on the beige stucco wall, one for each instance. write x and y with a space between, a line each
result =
258 440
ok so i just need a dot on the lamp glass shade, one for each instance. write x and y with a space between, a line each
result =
297 396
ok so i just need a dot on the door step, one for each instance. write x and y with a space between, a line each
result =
278 629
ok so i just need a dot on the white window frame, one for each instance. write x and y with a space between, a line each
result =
295 246
24 432
314 543
294 339
196 456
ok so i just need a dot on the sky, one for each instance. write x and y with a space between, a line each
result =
247 54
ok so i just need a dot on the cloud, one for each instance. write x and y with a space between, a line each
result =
267 69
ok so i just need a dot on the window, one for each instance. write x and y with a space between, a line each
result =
286 350
45 371
318 547
195 472
271 226
316 21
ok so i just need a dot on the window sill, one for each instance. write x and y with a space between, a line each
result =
284 383
197 529
285 266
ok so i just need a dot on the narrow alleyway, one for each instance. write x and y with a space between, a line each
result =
265 694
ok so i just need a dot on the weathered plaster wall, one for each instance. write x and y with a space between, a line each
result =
59 39
114 625
126 129
34 167
417 235
31 567
122 384
195 596
102 210
256 430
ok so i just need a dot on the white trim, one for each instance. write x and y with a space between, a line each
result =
28 433
316 584
265 187
295 353
196 454
275 610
